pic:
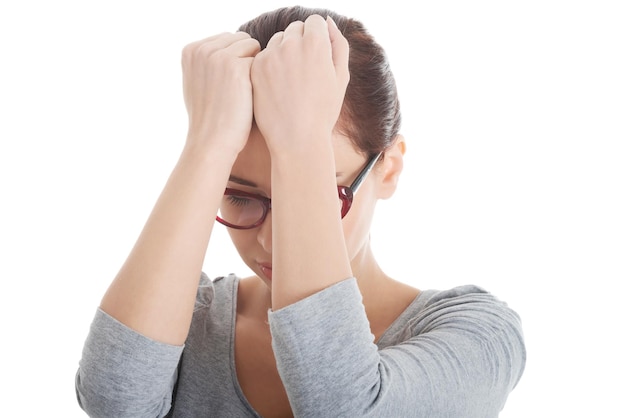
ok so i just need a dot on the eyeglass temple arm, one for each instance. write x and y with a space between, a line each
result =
366 170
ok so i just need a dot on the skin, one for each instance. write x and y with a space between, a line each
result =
154 291
299 83
384 298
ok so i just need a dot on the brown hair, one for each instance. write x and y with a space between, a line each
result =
370 115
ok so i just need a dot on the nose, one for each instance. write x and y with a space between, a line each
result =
264 234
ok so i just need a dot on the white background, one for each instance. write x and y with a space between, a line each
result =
515 177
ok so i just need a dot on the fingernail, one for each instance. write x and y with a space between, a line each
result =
331 20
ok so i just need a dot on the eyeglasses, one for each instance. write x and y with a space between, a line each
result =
242 210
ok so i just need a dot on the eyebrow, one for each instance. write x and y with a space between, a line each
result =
249 183
241 181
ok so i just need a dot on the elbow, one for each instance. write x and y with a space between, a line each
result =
90 401
99 399
94 401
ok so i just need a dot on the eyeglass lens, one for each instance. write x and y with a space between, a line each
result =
241 210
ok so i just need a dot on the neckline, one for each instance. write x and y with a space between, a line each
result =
231 349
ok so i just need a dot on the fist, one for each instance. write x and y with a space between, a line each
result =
299 83
217 89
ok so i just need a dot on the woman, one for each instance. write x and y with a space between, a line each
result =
288 119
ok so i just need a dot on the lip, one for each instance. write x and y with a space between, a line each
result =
266 269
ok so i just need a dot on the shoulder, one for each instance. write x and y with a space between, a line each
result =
457 298
221 287
461 316
462 301
464 307
467 326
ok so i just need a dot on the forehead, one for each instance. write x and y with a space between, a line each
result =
254 162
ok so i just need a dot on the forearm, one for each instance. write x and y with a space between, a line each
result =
155 289
307 237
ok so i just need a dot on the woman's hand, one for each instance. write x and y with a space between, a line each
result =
299 83
218 90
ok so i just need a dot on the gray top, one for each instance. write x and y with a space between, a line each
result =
454 353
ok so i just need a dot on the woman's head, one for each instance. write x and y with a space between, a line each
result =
370 116
368 124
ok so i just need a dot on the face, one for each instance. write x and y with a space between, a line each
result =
251 173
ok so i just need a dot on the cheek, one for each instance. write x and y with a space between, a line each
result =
356 224
350 235
243 240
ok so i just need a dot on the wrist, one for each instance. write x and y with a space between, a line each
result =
305 144
208 158
303 163
209 150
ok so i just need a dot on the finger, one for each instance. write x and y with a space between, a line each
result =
244 48
294 30
210 38
315 25
276 39
341 49
219 41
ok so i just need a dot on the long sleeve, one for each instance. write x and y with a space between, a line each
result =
462 354
124 374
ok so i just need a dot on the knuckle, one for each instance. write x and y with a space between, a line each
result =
315 17
187 52
296 24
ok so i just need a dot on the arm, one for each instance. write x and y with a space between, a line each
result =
463 357
130 356
299 84
154 291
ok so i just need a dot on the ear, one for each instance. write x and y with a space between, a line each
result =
392 165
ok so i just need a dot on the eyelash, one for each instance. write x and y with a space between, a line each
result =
238 201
